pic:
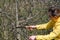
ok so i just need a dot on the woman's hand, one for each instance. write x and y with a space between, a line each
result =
31 27
32 38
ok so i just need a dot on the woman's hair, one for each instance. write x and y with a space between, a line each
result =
52 11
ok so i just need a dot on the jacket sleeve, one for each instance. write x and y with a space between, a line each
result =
45 26
53 34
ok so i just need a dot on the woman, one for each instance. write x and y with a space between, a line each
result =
54 23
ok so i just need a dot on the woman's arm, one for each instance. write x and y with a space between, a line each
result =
52 35
46 25
42 26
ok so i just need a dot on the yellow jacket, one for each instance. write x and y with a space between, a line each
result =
55 34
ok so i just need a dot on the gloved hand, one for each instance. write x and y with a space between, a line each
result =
31 27
32 38
39 37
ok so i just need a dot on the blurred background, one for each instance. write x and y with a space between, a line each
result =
16 14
